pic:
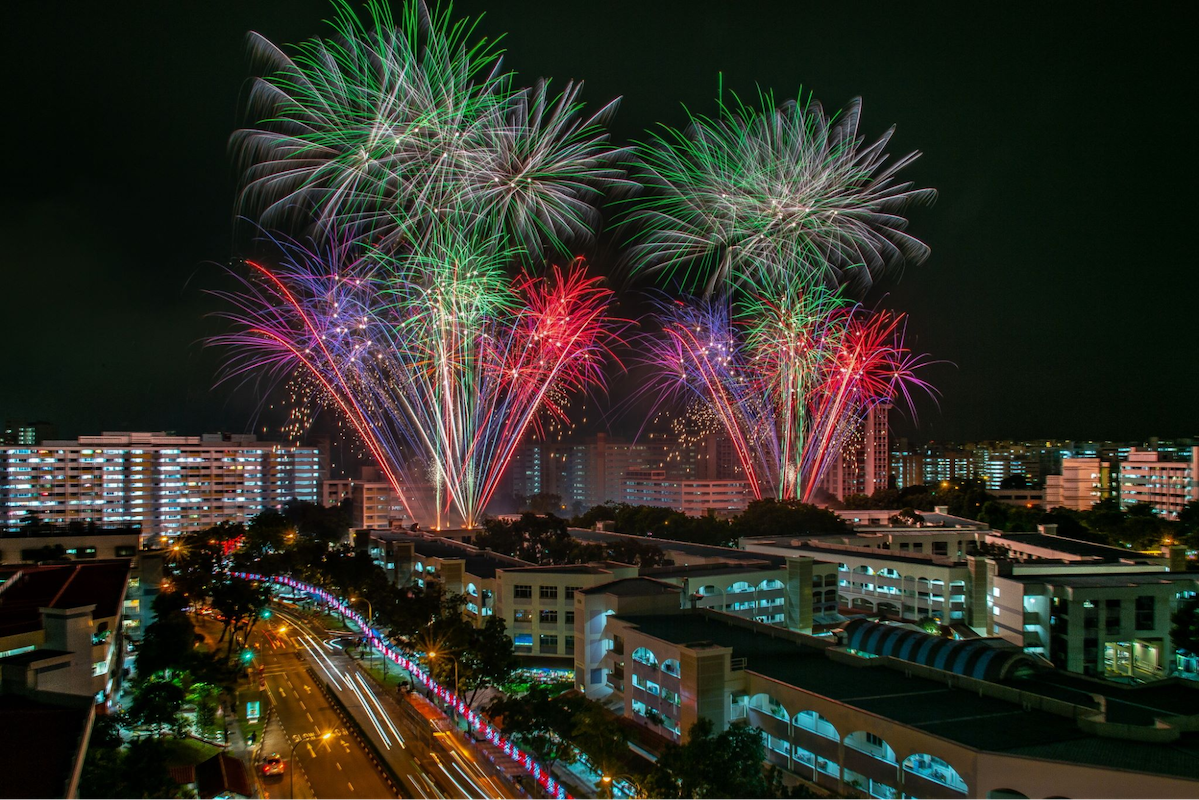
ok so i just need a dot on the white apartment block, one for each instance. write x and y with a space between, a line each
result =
1080 486
1167 485
724 498
167 485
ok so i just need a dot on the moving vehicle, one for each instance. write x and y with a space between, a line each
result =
273 765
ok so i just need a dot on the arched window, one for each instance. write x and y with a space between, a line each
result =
767 703
810 720
472 590
770 584
863 569
740 586
708 591
671 667
872 745
643 655
934 769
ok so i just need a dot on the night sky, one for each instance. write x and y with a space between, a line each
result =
1062 283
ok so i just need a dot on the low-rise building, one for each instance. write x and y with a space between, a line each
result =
886 711
1112 624
61 628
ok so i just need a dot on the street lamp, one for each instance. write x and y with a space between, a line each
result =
370 612
609 784
434 654
291 758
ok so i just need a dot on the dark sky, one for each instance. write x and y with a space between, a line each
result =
1062 283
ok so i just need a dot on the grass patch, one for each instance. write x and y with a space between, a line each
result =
184 752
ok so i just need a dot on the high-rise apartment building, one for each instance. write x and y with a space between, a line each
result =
864 465
1155 478
167 485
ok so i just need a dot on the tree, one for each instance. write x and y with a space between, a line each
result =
539 722
1184 626
545 503
168 641
157 703
139 771
487 659
907 518
786 518
1017 481
240 602
728 764
598 734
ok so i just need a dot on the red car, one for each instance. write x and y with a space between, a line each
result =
273 765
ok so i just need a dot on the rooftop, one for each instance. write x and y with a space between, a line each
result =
706 551
593 568
480 563
698 570
958 714
1113 580
827 548
632 587
1062 544
25 591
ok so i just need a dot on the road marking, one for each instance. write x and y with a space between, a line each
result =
310 719
303 706
338 763
350 785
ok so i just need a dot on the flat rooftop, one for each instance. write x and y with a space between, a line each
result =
1114 580
593 568
1074 547
707 551
980 722
25 591
635 587
831 549
705 570
481 563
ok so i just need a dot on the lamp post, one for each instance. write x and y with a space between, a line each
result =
370 618
609 782
434 654
291 757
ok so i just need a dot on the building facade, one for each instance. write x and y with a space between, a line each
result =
166 485
857 717
1080 485
1166 481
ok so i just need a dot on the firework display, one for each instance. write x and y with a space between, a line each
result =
757 195
418 178
790 377
773 217
392 128
412 191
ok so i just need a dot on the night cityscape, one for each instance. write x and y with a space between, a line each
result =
549 400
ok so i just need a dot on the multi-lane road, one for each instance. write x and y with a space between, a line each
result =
427 761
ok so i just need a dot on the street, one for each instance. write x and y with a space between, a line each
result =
337 766
429 761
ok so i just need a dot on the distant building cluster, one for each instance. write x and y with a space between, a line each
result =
166 485
1070 474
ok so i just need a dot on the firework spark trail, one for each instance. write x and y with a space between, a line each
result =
790 378
393 128
436 358
423 175
754 195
